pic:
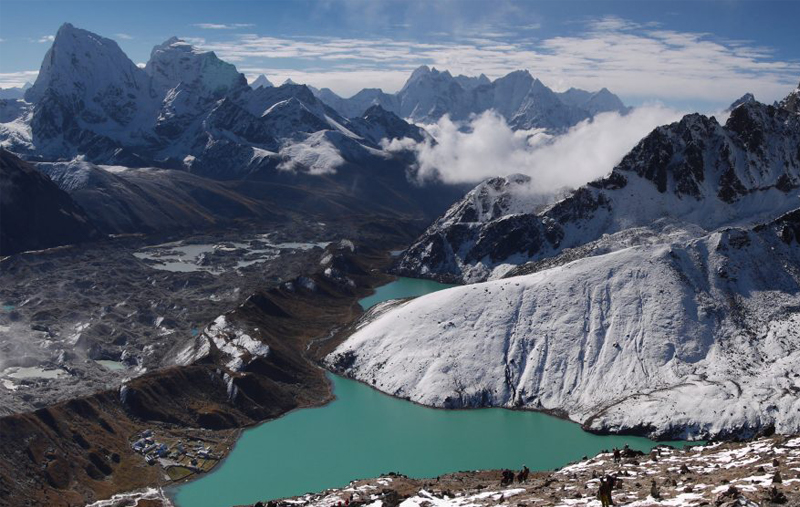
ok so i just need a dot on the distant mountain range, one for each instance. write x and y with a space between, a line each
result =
93 116
525 102
14 93
187 109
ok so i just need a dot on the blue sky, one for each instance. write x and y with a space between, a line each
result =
697 54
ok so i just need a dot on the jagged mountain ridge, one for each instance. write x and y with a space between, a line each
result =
523 101
186 109
693 171
689 339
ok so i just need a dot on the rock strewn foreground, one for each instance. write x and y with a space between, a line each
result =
722 474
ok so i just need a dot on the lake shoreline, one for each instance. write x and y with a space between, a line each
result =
327 442
729 473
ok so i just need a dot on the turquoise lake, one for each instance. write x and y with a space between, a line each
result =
364 433
402 288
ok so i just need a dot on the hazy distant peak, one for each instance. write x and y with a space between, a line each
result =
261 82
744 99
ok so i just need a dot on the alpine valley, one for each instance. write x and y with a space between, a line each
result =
185 254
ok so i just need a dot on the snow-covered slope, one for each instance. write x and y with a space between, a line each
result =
688 339
15 126
694 171
522 100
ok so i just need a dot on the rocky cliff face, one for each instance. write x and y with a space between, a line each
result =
34 213
694 171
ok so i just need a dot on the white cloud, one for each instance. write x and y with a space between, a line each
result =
46 38
17 79
488 147
222 26
124 36
640 61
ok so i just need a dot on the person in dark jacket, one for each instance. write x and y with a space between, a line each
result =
522 476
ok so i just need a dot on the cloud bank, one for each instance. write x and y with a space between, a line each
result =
488 147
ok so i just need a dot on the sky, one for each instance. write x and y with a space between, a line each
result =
697 55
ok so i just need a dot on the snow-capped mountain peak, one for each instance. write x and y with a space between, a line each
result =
419 73
85 66
177 61
261 82
522 76
744 99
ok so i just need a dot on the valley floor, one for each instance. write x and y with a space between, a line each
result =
69 427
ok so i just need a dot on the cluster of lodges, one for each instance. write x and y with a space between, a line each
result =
152 449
